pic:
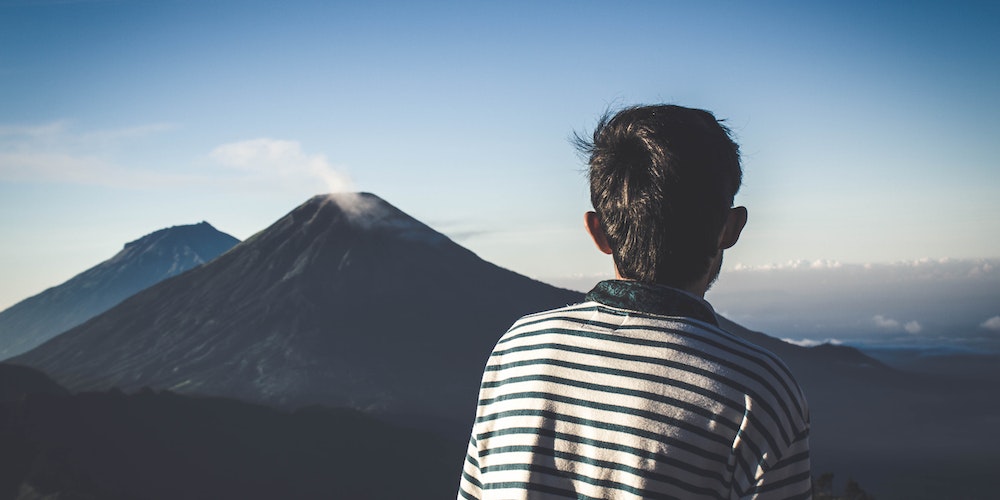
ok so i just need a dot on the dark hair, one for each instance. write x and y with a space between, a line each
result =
662 180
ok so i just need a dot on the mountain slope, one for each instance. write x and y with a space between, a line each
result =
345 301
902 434
143 262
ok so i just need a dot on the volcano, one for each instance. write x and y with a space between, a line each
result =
345 301
142 263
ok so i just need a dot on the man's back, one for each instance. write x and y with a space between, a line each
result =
635 393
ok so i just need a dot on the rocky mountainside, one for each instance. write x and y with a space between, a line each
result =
345 301
142 263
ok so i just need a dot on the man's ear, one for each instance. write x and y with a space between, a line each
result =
735 223
596 231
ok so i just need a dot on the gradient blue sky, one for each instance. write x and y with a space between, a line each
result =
869 132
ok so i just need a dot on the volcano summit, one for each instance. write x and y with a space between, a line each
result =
345 301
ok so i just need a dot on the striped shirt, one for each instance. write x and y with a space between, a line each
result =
635 393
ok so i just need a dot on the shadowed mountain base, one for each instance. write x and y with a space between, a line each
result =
903 435
166 446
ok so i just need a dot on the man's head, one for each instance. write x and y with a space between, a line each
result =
662 181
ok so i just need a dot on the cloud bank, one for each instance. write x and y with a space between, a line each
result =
992 324
811 342
59 152
925 302
911 327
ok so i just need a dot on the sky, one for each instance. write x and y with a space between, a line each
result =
868 132
938 306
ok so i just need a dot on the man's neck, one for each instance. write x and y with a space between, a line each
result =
698 289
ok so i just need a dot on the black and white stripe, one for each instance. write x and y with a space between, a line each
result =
593 401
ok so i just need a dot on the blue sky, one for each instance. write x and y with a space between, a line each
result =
868 132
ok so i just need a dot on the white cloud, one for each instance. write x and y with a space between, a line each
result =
281 160
59 152
825 264
885 323
900 300
992 324
791 265
924 268
981 269
812 342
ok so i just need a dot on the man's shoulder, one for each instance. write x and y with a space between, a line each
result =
568 311
741 358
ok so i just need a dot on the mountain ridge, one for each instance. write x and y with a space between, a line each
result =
139 264
344 301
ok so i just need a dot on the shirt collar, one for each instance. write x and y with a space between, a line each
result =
651 298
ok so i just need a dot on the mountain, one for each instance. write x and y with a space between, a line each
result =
345 301
902 434
160 445
16 382
142 263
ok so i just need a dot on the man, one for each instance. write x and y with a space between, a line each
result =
637 392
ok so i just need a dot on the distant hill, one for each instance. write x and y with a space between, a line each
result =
16 382
345 301
159 445
142 263
902 434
